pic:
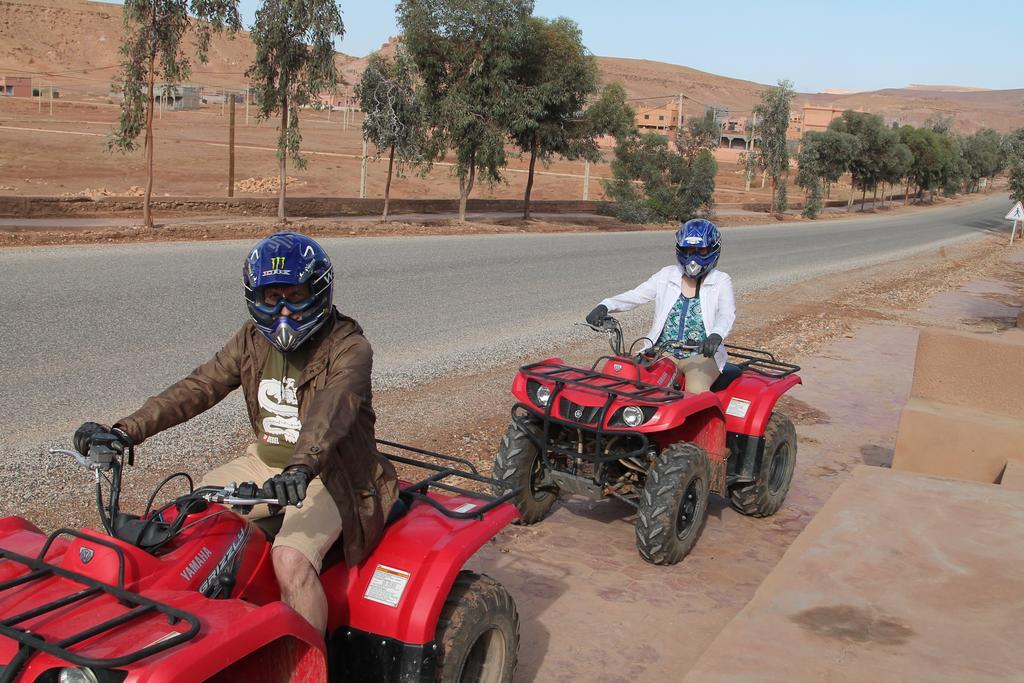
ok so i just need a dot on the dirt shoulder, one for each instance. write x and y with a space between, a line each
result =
67 231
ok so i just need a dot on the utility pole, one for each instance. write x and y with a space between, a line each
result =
362 174
679 114
247 106
51 99
586 180
750 150
231 148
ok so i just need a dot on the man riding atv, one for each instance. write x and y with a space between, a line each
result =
304 369
693 304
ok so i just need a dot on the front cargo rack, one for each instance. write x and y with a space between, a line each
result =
135 607
420 489
629 389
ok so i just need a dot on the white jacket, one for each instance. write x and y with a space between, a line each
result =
717 305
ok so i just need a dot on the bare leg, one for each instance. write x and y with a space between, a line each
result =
300 586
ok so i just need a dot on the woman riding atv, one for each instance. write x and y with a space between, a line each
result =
693 304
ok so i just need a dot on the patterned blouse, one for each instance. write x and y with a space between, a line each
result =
685 324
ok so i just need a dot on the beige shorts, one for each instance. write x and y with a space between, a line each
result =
700 372
311 529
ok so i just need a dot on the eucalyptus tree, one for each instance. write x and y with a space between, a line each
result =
468 53
294 63
388 95
153 47
772 115
558 76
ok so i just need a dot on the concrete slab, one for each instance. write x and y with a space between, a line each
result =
981 372
954 441
899 577
1013 475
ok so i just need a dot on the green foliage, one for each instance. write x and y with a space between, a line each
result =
152 50
874 139
294 63
557 75
810 169
467 53
983 157
772 115
653 183
394 114
1016 181
697 135
610 114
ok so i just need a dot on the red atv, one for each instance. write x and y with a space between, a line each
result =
186 592
631 431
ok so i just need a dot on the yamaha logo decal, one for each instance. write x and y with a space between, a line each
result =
617 366
86 554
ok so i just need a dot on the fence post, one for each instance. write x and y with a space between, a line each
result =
362 174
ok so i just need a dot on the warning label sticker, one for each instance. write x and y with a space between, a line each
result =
387 585
466 507
738 407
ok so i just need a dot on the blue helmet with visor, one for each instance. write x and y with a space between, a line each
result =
698 245
288 259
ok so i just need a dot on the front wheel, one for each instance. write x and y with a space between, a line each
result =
519 465
764 496
673 504
477 632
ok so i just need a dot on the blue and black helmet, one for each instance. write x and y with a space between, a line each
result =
698 245
288 258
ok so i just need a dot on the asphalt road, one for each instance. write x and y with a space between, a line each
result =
92 331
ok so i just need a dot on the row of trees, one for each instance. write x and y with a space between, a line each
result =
474 77
294 63
471 79
880 158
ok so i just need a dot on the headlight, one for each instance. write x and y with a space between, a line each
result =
543 396
633 416
73 675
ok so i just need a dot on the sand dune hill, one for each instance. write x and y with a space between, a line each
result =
74 44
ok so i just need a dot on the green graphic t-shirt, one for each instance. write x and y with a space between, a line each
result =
278 427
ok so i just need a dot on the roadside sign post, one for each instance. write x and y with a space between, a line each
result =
1016 215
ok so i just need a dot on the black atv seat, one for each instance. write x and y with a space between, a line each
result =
730 373
271 525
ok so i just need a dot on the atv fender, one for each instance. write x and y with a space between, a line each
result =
399 590
749 401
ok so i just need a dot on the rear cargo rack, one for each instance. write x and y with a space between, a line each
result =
761 362
420 489
135 607
629 389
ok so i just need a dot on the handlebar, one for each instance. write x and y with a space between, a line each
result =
240 495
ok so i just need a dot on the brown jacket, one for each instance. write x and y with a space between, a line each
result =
335 407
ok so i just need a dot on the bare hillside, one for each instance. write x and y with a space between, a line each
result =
74 44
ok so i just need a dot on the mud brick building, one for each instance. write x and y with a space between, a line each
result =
16 86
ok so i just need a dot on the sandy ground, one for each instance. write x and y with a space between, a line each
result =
65 155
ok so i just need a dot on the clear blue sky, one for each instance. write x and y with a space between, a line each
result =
858 45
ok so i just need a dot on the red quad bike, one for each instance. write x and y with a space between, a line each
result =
186 592
631 431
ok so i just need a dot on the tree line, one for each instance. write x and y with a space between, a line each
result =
478 81
919 160
472 79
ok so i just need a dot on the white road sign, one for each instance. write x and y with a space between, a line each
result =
1016 213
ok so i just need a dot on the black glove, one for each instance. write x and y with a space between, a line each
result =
93 432
289 487
710 345
597 316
